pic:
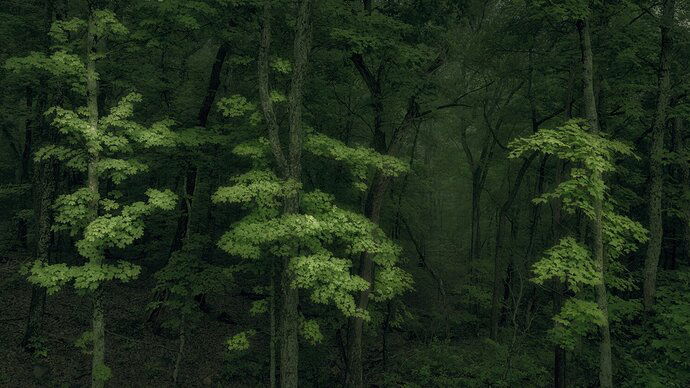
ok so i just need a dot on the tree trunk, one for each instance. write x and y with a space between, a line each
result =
479 171
378 186
498 277
475 234
655 159
290 168
98 330
354 376
605 367
559 359
685 181
97 319
44 183
44 187
191 177
25 170
180 354
498 247
272 328
559 367
372 210
559 364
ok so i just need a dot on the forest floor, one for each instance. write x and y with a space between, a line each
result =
137 356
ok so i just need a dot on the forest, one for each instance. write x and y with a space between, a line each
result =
344 193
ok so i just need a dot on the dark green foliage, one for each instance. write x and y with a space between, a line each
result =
448 201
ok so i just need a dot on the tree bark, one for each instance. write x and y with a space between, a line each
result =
186 202
290 168
44 184
191 177
25 170
559 354
559 365
605 367
373 202
44 187
655 159
372 207
272 328
372 210
97 319
180 354
685 181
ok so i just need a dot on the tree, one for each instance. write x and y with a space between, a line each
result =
656 155
571 261
93 144
290 167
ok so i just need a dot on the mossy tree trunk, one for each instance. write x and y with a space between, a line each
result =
656 182
97 318
605 366
289 165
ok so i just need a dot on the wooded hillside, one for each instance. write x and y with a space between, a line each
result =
325 193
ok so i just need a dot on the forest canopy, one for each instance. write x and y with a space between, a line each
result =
325 193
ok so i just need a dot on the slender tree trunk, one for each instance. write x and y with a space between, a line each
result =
655 160
98 330
191 178
25 170
44 183
685 182
475 234
354 376
479 172
372 204
97 318
289 325
498 278
272 328
559 368
27 151
378 186
559 364
559 359
180 354
605 367
498 247
186 202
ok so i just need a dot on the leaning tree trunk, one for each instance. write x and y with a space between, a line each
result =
605 367
655 159
190 181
